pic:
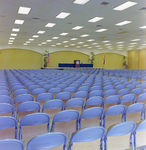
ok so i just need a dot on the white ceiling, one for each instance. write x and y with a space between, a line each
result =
45 11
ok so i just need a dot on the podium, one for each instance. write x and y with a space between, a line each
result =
77 63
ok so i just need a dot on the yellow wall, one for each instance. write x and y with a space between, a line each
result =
142 59
133 59
66 57
20 59
113 61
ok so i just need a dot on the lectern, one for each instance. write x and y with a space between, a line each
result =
77 63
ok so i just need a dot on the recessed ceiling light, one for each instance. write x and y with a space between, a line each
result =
89 47
50 25
78 46
24 10
101 30
58 44
35 36
25 44
120 45
11 38
43 42
90 40
55 38
97 46
53 45
84 35
39 44
100 48
120 42
41 32
81 2
125 6
15 30
65 42
144 44
95 19
123 23
74 39
72 44
65 46
9 43
13 34
63 33
31 39
49 40
85 45
135 40
108 44
77 27
63 15
19 21
105 41
143 27
132 43
94 43
80 42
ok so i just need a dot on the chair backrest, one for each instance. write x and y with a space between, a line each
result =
62 86
81 94
137 91
23 98
131 86
41 142
123 92
44 97
6 108
20 91
55 90
96 93
141 97
110 92
32 87
63 96
11 144
88 134
4 88
128 98
112 99
119 87
14 88
38 91
8 122
108 87
5 99
48 87
93 88
70 89
4 92
83 88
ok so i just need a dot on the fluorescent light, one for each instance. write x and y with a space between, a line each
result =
27 41
143 27
74 39
120 42
53 45
43 42
49 40
94 43
13 34
132 43
105 41
81 2
77 27
63 15
78 46
108 44
84 35
39 44
85 45
24 10
11 41
90 40
25 44
41 32
101 30
89 47
125 6
58 44
12 38
15 30
31 39
97 46
95 19
119 45
63 33
123 23
65 42
55 38
19 21
135 40
65 46
100 48
50 25
80 42
35 36
72 44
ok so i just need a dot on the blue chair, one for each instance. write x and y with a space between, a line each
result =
7 109
110 92
123 92
17 88
89 113
143 86
41 84
119 87
4 92
141 98
38 91
66 116
70 89
32 87
87 135
94 101
119 130
55 91
26 108
76 85
114 114
108 87
62 86
8 122
131 111
47 141
33 120
96 93
21 91
139 135
5 99
47 87
63 96
81 94
93 88
131 86
11 144
52 107
83 88
27 84
75 103
4 88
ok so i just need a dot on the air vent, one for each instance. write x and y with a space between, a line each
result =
99 26
69 23
122 32
104 3
35 19
143 8
2 15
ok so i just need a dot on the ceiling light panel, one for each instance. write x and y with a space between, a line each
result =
74 39
11 38
55 38
63 15
19 21
101 30
143 27
49 40
125 6
123 23
90 40
81 2
15 30
84 35
77 27
24 10
35 36
63 34
41 32
95 19
50 25
134 40
13 34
